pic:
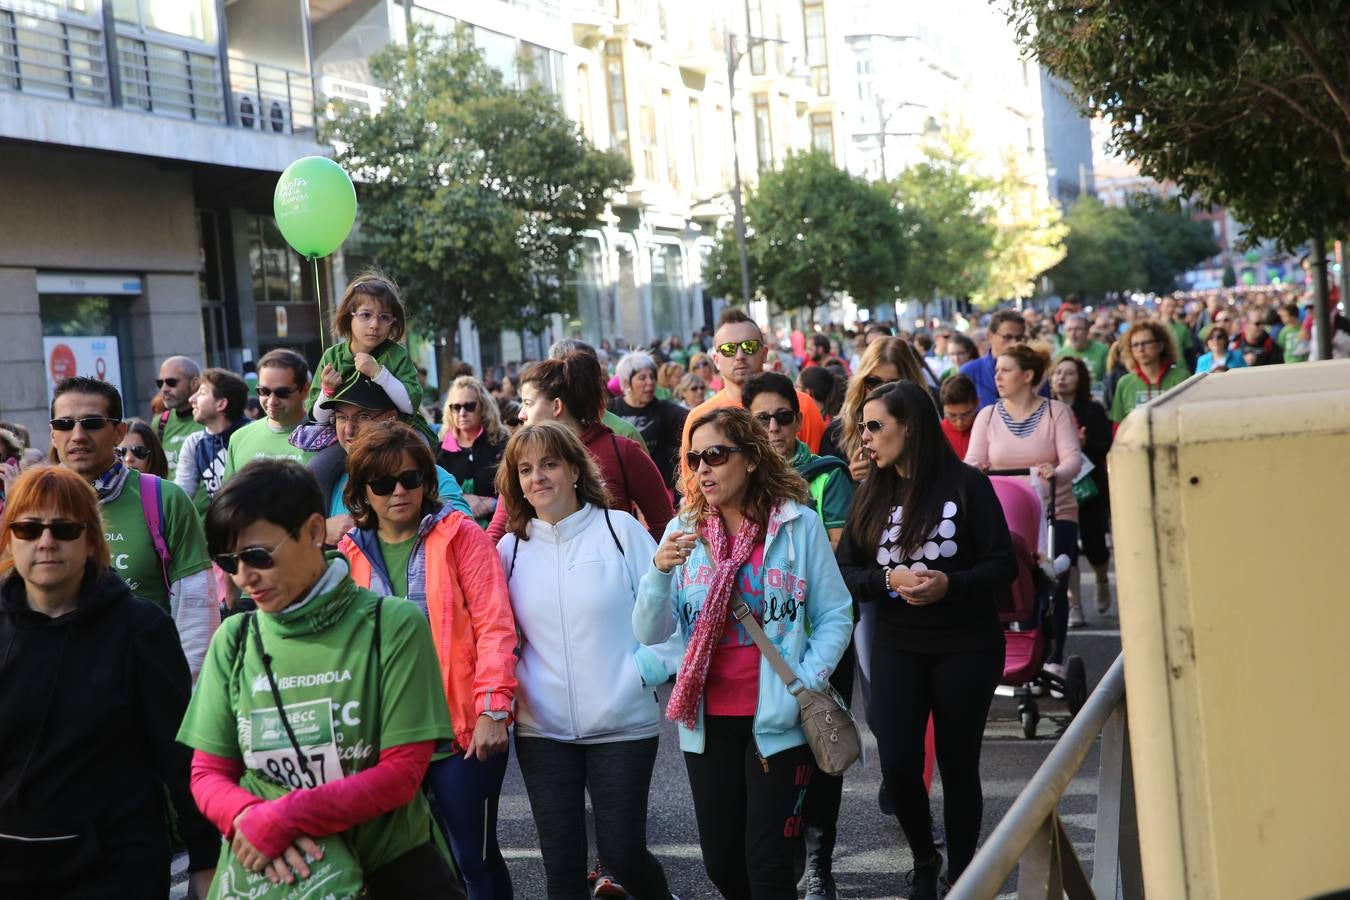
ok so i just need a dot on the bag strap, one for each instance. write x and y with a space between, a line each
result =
742 614
152 505
623 470
163 423
276 696
612 534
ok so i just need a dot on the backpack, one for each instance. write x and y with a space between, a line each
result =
152 505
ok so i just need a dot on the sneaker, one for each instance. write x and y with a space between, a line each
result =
820 885
1076 619
1103 595
923 879
1056 669
605 885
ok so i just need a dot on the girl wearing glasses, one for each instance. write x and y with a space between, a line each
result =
472 440
927 547
96 686
747 539
408 543
140 450
317 714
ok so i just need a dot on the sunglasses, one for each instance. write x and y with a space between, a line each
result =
471 406
88 423
140 451
171 382
872 382
253 557
871 425
383 486
279 393
784 418
714 456
61 529
749 348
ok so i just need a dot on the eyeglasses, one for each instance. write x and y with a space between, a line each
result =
471 406
253 557
962 417
1015 338
88 423
784 418
140 451
749 348
279 393
61 529
364 417
871 425
171 382
872 382
365 317
411 479
714 456
1141 345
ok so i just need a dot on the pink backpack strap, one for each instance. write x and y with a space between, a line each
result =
153 508
163 422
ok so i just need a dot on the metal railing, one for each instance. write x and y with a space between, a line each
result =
1032 838
168 79
270 98
52 56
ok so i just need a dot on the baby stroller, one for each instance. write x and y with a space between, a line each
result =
1028 603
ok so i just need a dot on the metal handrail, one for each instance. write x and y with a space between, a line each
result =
1027 818
66 50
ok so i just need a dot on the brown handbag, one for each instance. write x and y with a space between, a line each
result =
830 730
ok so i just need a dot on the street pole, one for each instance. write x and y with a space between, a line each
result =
882 122
1321 311
733 60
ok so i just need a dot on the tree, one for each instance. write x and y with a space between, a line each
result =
1174 242
813 231
473 194
1028 240
1105 251
1242 104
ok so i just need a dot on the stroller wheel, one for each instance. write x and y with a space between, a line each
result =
1029 720
1075 684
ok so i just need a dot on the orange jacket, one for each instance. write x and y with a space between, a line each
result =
471 620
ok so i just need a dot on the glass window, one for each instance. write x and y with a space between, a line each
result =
499 50
618 102
822 133
667 290
585 283
191 19
668 127
754 28
817 56
696 140
584 101
763 132
439 23
277 271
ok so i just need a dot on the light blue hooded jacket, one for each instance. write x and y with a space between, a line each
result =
801 577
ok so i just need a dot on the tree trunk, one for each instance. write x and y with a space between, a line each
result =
1321 305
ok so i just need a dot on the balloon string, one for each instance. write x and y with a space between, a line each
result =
318 298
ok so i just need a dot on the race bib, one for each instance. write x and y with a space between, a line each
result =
271 750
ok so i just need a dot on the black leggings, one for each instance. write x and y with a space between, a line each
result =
956 688
1092 522
749 810
618 776
1057 625
826 792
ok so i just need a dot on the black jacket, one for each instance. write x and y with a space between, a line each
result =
661 424
90 703
475 468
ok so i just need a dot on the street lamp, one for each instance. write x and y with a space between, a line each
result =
734 57
884 119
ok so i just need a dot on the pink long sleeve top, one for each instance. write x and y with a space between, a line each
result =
1054 440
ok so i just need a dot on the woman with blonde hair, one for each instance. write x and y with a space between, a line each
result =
884 361
472 440
746 542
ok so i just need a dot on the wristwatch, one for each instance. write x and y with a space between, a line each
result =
497 715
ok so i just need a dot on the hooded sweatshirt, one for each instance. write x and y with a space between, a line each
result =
89 705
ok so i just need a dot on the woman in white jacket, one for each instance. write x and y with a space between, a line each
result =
586 719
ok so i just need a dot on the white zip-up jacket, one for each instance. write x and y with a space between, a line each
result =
573 592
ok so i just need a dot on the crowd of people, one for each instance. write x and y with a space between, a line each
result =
302 643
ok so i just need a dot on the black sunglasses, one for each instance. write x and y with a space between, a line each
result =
716 455
88 423
749 348
61 529
872 382
279 393
140 451
253 557
471 406
384 485
871 425
171 382
784 418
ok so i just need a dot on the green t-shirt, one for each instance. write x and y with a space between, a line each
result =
1094 356
1132 391
831 488
326 672
396 556
258 440
1181 334
172 435
624 428
132 548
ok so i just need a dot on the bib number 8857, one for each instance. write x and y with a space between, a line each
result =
286 771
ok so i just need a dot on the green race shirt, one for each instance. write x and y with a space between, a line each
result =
396 558
172 435
831 488
133 550
1132 391
258 440
1094 356
343 700
1181 334
624 428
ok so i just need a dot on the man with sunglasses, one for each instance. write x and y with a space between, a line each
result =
738 353
179 378
86 427
283 385
1006 327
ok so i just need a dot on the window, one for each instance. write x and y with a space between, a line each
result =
724 159
540 67
499 50
191 19
862 65
763 132
618 102
822 133
584 102
276 269
754 28
668 127
647 117
667 289
696 140
817 56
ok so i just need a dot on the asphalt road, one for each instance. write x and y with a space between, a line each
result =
871 858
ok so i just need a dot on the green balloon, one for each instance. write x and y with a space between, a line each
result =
314 205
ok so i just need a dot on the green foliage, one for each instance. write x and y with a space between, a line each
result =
473 193
1242 104
1174 242
813 231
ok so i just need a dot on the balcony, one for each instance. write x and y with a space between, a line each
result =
170 80
48 57
592 20
270 98
703 52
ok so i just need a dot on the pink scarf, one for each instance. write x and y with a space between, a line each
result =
712 618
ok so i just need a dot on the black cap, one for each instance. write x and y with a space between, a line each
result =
362 393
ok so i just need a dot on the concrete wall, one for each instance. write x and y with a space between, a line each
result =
268 31
23 384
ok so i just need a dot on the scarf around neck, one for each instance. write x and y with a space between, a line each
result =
712 618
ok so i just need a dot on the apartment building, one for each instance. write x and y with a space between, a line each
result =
140 142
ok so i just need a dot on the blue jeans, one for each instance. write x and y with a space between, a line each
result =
464 794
